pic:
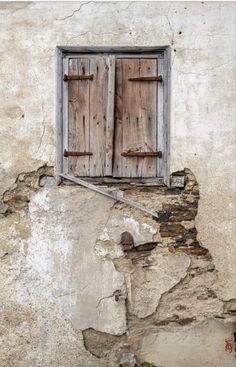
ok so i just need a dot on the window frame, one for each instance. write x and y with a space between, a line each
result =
63 53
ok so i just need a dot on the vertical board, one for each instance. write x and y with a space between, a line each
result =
110 116
135 112
98 111
118 141
148 103
79 117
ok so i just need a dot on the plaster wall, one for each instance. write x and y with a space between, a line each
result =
61 264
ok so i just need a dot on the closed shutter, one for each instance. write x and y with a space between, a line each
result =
112 117
135 118
88 115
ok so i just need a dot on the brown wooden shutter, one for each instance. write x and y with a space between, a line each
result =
90 121
78 120
135 118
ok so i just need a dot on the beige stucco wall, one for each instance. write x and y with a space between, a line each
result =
56 278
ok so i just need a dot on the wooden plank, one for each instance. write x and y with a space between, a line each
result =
108 49
58 116
79 117
131 118
98 103
65 115
118 140
148 97
159 55
110 116
114 196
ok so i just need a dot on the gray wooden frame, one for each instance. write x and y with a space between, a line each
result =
162 54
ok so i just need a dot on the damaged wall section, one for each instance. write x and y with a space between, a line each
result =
118 296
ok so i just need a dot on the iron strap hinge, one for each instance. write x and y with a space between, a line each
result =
142 154
75 154
156 78
67 78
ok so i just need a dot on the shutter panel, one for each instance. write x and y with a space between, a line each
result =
135 118
78 121
90 119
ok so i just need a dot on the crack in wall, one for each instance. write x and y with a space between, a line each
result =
76 11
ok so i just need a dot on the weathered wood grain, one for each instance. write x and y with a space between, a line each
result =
98 105
118 137
155 54
79 117
148 105
110 116
135 118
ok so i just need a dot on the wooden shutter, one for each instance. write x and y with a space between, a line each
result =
135 118
90 121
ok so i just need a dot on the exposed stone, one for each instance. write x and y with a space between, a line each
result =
147 246
172 230
230 307
179 216
100 344
199 251
26 185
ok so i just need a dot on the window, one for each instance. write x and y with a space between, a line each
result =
113 115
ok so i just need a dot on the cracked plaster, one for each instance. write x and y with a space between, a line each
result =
42 282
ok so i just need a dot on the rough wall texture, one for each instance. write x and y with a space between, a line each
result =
70 295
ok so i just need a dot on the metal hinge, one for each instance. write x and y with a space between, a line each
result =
157 78
75 154
67 78
142 154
